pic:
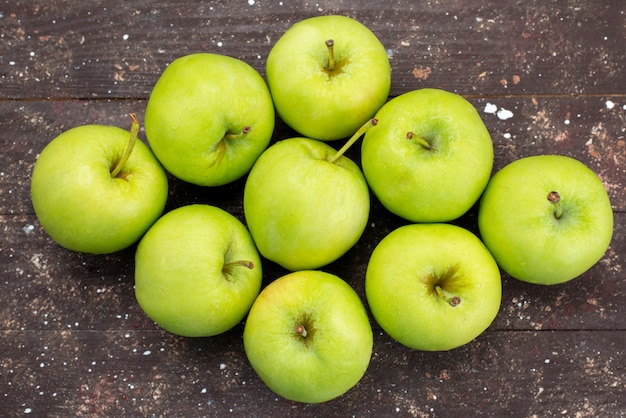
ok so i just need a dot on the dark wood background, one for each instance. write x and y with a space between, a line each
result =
73 340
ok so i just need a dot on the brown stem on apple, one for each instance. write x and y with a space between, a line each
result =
411 136
366 126
134 130
239 263
244 131
300 330
227 270
330 44
452 300
555 199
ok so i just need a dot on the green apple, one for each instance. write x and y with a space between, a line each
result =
430 157
433 287
96 189
328 75
197 271
305 203
308 337
208 118
546 219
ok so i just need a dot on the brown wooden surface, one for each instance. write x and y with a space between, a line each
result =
73 340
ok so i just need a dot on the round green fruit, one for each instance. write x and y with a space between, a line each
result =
304 207
430 156
328 75
546 219
90 195
308 337
208 118
197 271
433 287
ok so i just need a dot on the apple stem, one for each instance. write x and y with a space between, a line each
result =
367 125
555 198
244 131
452 300
134 130
239 263
330 44
300 330
411 136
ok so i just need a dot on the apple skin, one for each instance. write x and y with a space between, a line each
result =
183 280
336 351
518 225
198 101
81 206
428 185
400 283
327 105
302 210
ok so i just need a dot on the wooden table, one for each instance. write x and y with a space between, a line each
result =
75 342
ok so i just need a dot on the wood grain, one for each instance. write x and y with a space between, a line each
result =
117 49
142 373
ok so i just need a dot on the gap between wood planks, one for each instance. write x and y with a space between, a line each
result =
468 96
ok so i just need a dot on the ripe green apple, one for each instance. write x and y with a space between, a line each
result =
208 118
546 218
328 75
305 203
308 336
197 271
433 287
96 189
430 157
